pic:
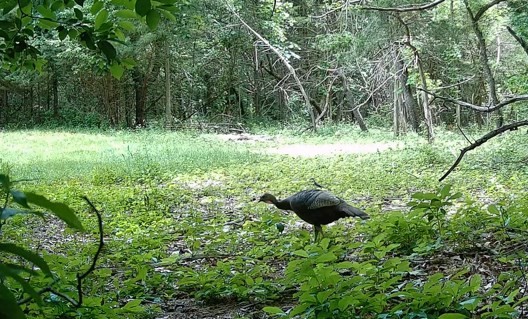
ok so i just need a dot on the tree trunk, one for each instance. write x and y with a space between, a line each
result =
3 107
355 110
256 83
458 119
168 102
425 101
409 106
484 61
140 89
55 93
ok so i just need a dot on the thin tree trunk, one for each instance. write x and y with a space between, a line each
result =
55 93
256 83
458 119
3 107
484 61
168 102
140 88
409 102
355 110
425 101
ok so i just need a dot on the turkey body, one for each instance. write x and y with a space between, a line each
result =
316 207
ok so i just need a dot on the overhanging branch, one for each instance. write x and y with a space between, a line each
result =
479 108
482 140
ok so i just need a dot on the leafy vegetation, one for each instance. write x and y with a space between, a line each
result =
181 226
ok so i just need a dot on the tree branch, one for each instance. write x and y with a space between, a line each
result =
482 140
485 8
407 8
284 61
521 41
80 277
484 109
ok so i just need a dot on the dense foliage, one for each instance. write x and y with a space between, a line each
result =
197 62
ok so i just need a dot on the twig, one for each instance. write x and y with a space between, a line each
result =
481 141
97 253
80 277
463 134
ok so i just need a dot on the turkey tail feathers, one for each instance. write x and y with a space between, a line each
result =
355 212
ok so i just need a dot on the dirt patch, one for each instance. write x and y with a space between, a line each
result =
313 150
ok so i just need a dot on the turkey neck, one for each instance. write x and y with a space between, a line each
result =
283 204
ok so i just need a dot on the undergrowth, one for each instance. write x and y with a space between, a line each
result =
181 223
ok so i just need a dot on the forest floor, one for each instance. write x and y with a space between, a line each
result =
186 239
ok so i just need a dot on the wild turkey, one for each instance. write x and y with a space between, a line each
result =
316 207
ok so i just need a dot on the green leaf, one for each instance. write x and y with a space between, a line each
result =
116 70
133 306
168 15
322 296
143 7
96 6
128 63
325 242
445 190
12 272
57 5
26 8
299 309
58 209
127 25
46 12
453 316
79 2
63 34
101 18
301 253
273 310
493 209
153 18
326 258
26 254
120 35
78 14
126 14
47 24
108 49
345 302
8 304
73 34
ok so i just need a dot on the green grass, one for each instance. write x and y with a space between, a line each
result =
49 155
180 220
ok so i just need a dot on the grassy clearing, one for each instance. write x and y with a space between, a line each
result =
64 155
181 224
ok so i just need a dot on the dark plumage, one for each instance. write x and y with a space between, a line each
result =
316 207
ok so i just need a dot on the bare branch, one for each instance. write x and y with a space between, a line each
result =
284 60
345 5
80 277
521 41
484 109
407 8
482 140
485 8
